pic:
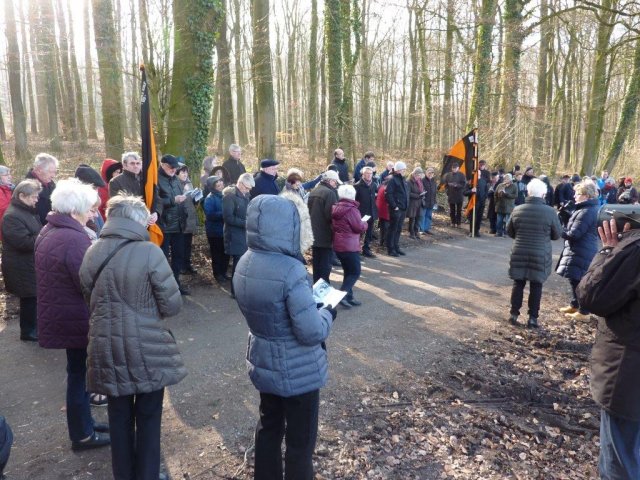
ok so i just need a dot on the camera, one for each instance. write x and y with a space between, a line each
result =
622 214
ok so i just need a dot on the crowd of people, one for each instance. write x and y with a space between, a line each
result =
77 254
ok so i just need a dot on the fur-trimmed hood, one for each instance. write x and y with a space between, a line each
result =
306 233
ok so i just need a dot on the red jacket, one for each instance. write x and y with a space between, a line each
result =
5 200
347 226
104 191
381 203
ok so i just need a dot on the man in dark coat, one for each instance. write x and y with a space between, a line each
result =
533 225
235 200
320 202
265 179
233 165
397 196
130 182
366 191
45 168
529 175
491 208
341 165
611 290
174 215
454 182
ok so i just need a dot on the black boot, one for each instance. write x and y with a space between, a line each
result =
532 323
513 319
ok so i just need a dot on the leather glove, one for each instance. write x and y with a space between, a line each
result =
333 311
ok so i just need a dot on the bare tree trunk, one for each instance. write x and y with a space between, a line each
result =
48 53
110 77
39 60
263 80
322 137
426 90
88 72
629 110
27 55
333 45
226 129
541 101
13 64
134 101
241 109
447 116
350 25
69 109
312 109
482 67
410 139
3 131
82 130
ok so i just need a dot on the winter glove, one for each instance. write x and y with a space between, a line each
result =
333 311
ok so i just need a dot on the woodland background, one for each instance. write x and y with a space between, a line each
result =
552 83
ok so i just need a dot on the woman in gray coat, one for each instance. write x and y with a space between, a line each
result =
533 225
286 357
132 356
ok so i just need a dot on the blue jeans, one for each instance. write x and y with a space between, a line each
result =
427 219
79 419
501 223
351 271
619 448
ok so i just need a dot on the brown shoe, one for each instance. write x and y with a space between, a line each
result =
568 309
578 316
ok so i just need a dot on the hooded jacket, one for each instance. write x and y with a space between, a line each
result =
6 191
130 349
106 172
581 240
284 355
234 213
174 215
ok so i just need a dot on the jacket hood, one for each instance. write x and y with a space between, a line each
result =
118 227
62 220
229 190
108 167
273 225
306 232
343 206
592 202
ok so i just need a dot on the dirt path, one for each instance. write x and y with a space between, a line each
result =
427 380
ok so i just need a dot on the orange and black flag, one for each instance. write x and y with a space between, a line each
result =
462 153
149 156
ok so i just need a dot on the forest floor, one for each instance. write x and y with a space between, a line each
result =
427 380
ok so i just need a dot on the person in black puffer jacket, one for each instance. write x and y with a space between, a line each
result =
580 245
533 225
174 216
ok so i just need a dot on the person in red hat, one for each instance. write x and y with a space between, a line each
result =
627 192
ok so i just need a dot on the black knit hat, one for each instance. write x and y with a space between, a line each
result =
86 174
111 169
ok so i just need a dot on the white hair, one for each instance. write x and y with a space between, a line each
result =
295 170
44 161
127 155
366 169
73 196
235 148
128 206
347 191
247 180
537 188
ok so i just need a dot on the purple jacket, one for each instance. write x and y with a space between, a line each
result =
347 226
63 315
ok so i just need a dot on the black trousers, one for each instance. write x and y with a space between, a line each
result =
479 208
517 293
134 425
298 417
321 262
455 212
368 236
384 227
235 259
219 259
173 248
188 244
28 316
396 219
574 297
351 268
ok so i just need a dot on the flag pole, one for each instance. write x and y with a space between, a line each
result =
475 182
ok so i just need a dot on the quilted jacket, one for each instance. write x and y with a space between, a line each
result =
347 226
130 349
581 240
63 316
285 355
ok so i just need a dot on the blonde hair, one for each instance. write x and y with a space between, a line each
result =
586 187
